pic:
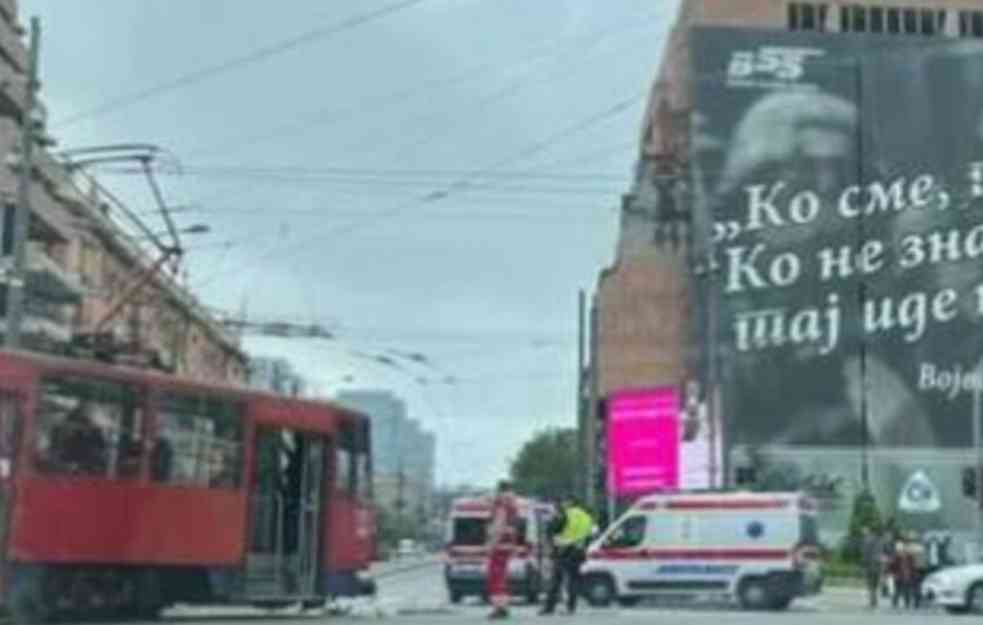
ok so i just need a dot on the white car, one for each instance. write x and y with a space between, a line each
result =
958 589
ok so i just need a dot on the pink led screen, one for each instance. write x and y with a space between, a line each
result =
643 440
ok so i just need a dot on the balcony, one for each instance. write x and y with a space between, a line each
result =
41 333
49 281
50 220
8 10
13 94
12 47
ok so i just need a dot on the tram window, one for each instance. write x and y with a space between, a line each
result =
10 422
363 478
198 442
89 427
345 469
344 474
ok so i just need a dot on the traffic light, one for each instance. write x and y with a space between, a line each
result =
969 481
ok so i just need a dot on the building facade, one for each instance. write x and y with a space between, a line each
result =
657 306
83 268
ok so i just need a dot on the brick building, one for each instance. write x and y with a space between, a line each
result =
649 327
82 264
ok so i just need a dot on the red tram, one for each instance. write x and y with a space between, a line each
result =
124 491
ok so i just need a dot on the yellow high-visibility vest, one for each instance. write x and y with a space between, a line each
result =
578 528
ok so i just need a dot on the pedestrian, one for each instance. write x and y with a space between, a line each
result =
933 553
872 553
571 544
904 573
945 551
553 529
919 563
502 538
890 579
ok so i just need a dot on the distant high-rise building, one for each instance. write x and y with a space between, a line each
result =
403 453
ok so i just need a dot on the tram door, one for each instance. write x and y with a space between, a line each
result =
286 511
11 424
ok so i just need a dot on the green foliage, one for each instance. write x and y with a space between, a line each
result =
391 529
547 465
865 514
836 567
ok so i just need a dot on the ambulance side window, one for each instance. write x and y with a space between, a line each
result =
631 533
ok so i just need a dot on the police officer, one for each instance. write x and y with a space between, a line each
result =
570 546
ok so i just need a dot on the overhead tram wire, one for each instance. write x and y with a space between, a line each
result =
331 115
634 22
432 175
300 248
436 126
440 125
234 63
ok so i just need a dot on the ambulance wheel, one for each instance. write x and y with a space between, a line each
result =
599 590
753 594
455 597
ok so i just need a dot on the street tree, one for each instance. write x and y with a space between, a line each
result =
547 465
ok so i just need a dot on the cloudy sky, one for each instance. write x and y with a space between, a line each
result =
439 178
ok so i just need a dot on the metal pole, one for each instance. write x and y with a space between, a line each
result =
593 399
583 437
978 447
862 292
22 215
713 382
706 253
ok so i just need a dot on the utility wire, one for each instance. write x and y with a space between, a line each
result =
255 56
363 172
300 248
438 126
332 114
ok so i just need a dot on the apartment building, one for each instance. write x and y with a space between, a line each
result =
83 267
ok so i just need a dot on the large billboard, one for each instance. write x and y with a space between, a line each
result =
839 188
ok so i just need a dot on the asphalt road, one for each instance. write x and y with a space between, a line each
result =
417 597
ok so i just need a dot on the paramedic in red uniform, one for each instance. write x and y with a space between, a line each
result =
501 541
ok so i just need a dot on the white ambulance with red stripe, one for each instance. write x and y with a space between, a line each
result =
466 566
760 549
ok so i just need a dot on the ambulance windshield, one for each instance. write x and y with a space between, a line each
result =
470 532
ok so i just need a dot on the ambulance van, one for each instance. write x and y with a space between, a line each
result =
760 549
466 557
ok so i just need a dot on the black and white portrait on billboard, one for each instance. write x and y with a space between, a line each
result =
846 212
